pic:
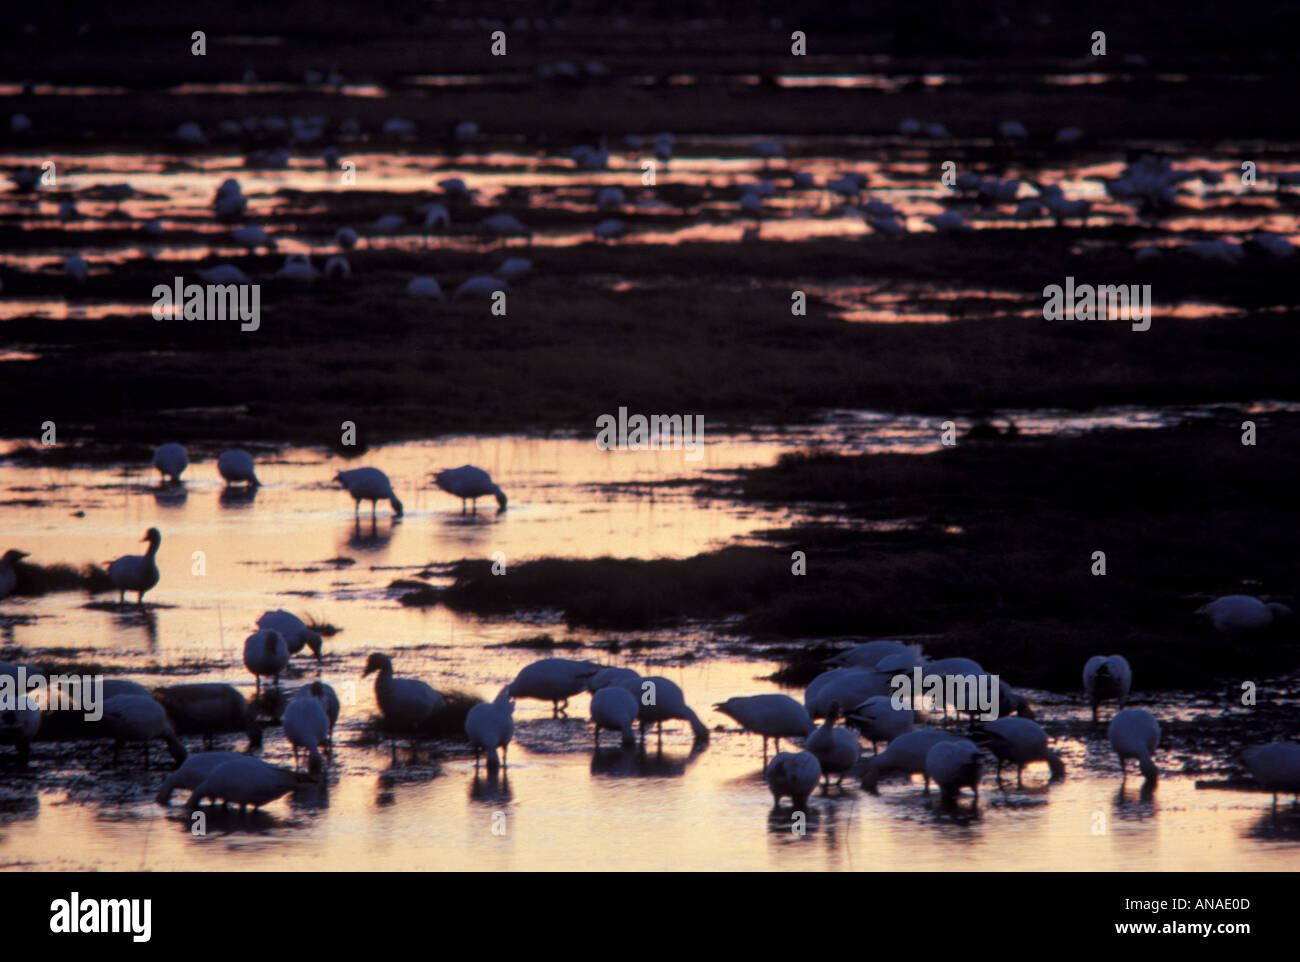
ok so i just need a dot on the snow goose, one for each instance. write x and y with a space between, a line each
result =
1135 733
490 726
615 708
469 484
171 461
772 716
236 466
138 718
795 774
293 629
424 287
481 285
1105 678
328 698
837 749
869 654
953 765
1240 615
1276 767
210 708
192 772
136 572
266 654
369 484
1021 741
404 702
905 754
554 680
879 721
307 727
661 700
243 782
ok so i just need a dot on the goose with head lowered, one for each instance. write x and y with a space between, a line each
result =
1020 741
245 781
138 718
369 484
837 749
295 632
307 727
615 708
954 765
772 716
905 755
192 772
795 774
236 467
1276 767
266 654
136 572
660 700
1135 733
171 461
208 709
553 679
489 726
469 484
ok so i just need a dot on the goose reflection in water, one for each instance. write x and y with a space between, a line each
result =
637 762
490 788
238 498
170 494
372 536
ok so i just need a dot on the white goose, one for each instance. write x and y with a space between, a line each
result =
795 774
553 679
469 484
481 285
615 708
245 781
660 700
837 749
171 461
293 629
136 572
953 765
208 709
328 698
905 754
266 654
307 727
1021 741
772 716
369 484
1242 614
192 772
868 655
1135 733
138 718
1276 767
1105 678
490 726
879 721
424 287
236 466
404 702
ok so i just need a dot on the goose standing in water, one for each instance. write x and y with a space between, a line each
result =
615 708
369 484
137 718
19 725
1238 615
329 700
837 749
1135 733
294 630
266 654
236 466
404 702
1276 767
1105 678
1021 741
795 774
954 765
772 716
905 754
170 460
8 575
469 484
490 726
660 700
307 727
136 572
553 679
210 708
879 721
245 781
192 772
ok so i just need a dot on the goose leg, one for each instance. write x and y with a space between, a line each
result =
1020 771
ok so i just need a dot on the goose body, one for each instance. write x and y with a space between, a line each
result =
223 274
469 484
137 718
772 716
906 754
192 772
553 679
480 286
137 573
514 269
1135 733
490 726
369 484
307 727
846 686
293 630
615 708
236 466
837 749
868 655
954 765
210 708
328 698
879 721
795 774
171 461
1021 741
1242 614
611 676
660 700
1276 767
8 574
404 702
244 781
1105 678
297 267
266 654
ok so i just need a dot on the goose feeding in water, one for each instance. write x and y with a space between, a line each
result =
19 724
266 654
514 269
1012 130
469 484
504 226
245 781
293 630
229 202
369 484
210 708
251 238
846 686
236 466
795 774
136 572
404 702
610 198
772 716
879 721
1105 678
837 749
609 229
8 575
660 700
1240 615
345 238
1135 733
954 765
615 708
328 698
424 287
223 274
76 268
947 221
139 718
388 224
1276 767
297 268
307 727
436 218
553 679
193 770
337 269
480 286
869 654
1021 741
490 726
171 461
906 754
